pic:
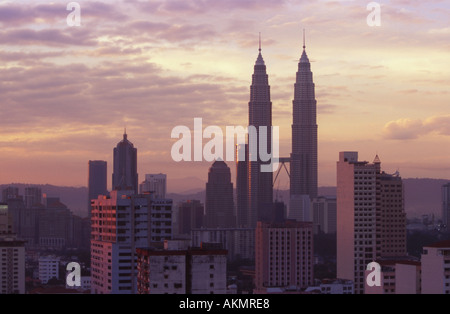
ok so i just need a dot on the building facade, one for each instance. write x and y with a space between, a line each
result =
189 271
370 217
97 180
156 184
48 268
436 268
446 206
122 223
219 203
284 256
324 214
125 176
12 265
190 216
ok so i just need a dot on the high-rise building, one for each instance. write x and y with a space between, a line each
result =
155 183
304 133
446 206
33 196
219 203
6 221
12 265
371 221
242 185
284 255
190 216
121 223
436 268
184 271
9 193
97 181
260 191
324 214
125 176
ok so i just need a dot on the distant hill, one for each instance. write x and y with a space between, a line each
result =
422 196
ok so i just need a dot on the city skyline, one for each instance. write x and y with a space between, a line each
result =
164 69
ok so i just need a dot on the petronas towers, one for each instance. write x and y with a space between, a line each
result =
255 187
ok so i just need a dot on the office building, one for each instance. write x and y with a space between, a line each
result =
33 196
156 184
97 180
260 183
190 216
219 203
125 176
446 206
304 165
324 214
242 212
284 256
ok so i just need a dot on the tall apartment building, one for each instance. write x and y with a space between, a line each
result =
6 220
12 265
154 183
120 224
125 176
284 255
436 268
186 271
371 221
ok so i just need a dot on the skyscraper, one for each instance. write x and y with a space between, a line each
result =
446 206
125 176
219 202
190 216
260 198
242 185
156 183
97 182
304 133
33 196
10 193
371 220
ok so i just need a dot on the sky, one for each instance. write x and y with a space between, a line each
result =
67 93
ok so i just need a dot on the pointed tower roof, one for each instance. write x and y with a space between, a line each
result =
377 160
304 58
260 60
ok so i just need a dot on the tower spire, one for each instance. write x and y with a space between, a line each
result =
259 41
304 39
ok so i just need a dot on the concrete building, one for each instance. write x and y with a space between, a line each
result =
190 216
122 223
33 196
242 212
97 180
9 193
324 214
219 203
436 268
300 208
371 221
397 277
284 256
125 176
48 268
446 206
188 271
239 242
12 265
333 286
156 184
6 220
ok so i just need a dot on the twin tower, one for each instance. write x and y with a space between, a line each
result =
254 187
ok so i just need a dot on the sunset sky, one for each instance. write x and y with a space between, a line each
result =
66 93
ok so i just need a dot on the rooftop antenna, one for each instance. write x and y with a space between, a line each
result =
259 41
304 39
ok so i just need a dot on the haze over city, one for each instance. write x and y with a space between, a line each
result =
68 92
